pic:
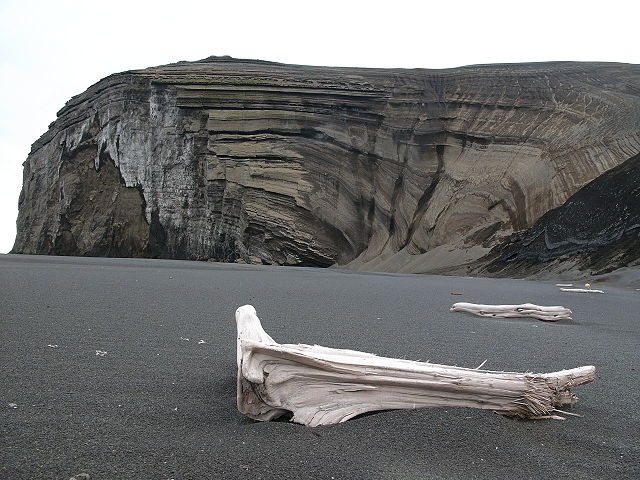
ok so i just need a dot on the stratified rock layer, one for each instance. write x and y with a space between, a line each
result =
595 231
397 170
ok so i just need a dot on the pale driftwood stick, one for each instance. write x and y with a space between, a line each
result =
581 290
547 314
322 386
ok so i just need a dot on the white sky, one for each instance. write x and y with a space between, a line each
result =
53 49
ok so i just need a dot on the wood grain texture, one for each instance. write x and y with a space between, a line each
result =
322 386
547 314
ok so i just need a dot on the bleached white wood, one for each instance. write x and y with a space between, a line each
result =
581 290
547 314
321 386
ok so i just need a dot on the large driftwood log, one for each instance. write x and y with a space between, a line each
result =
322 386
547 314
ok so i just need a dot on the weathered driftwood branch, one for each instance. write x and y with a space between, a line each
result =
322 386
547 314
581 290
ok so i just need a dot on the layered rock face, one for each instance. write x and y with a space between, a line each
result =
595 231
393 170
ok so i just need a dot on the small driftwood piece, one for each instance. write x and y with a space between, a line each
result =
322 386
581 290
546 314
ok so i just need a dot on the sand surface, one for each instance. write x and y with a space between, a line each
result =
160 403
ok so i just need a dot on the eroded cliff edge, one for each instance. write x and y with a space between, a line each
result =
392 170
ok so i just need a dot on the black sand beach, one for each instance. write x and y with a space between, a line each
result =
160 404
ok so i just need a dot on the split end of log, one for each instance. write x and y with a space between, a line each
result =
572 377
546 392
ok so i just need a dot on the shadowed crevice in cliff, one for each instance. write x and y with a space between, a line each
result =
596 229
423 202
157 237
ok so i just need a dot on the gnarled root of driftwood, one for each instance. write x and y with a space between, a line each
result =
322 386
546 314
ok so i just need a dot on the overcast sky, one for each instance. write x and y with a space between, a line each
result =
52 50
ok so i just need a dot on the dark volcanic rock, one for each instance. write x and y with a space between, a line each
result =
101 216
597 230
396 170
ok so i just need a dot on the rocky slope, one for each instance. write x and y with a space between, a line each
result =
596 231
393 170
